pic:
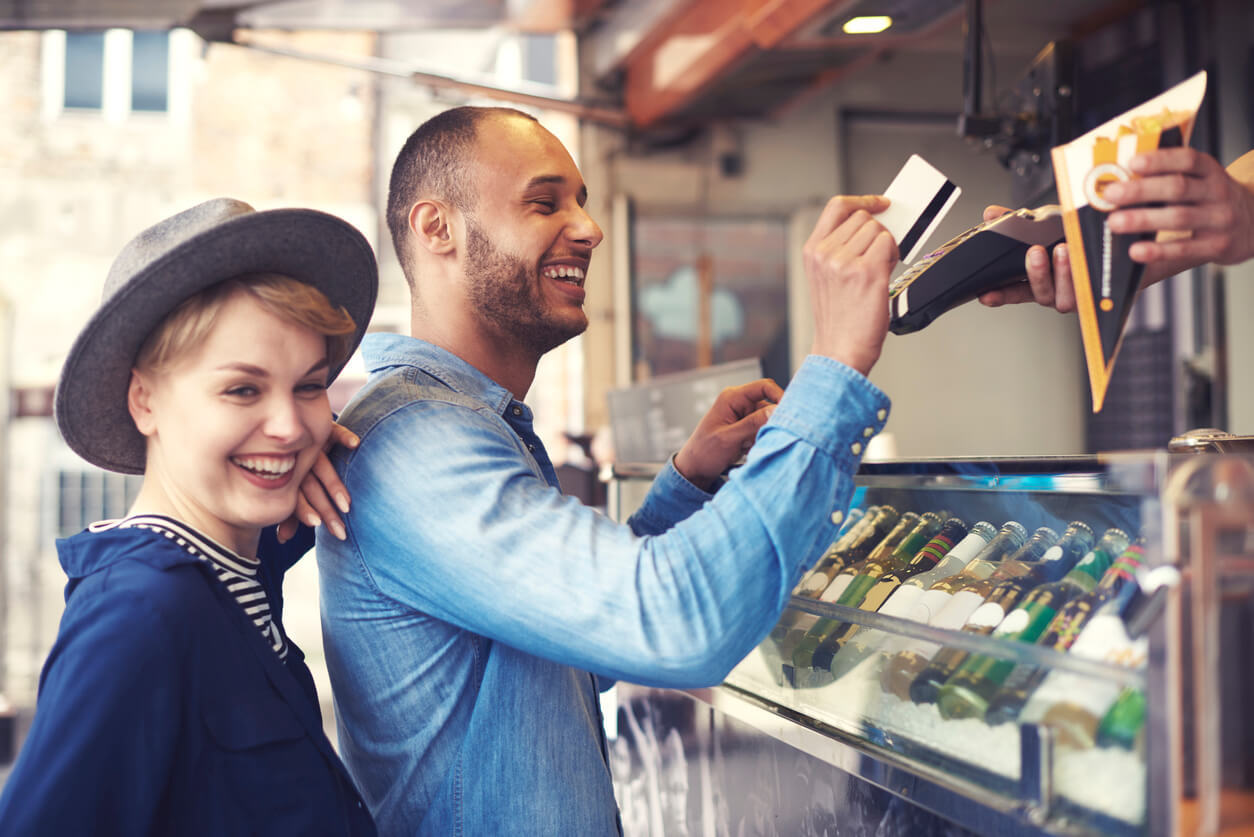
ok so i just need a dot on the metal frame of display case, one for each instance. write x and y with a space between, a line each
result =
1199 513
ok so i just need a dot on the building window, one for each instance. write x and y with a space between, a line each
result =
150 71
116 72
84 69
83 497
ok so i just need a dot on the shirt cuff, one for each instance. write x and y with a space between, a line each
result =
833 407
671 499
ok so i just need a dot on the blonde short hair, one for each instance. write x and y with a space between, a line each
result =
187 326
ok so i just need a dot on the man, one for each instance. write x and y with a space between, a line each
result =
1200 211
473 607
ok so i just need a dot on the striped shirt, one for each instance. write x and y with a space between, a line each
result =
235 572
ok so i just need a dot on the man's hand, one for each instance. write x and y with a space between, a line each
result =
848 259
1207 216
727 431
314 504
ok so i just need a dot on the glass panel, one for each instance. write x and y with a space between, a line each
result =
150 71
708 291
84 69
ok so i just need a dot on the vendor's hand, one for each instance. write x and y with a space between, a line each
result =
314 505
727 431
1207 215
848 259
1048 277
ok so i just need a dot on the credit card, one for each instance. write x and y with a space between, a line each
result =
921 196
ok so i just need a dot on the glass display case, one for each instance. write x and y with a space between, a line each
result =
1044 645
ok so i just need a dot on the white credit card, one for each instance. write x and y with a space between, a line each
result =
921 196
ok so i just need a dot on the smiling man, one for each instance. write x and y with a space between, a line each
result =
472 608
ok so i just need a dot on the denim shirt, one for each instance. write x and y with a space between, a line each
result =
467 614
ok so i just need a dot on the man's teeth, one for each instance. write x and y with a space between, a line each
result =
565 273
270 467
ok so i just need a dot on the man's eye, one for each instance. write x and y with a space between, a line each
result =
546 203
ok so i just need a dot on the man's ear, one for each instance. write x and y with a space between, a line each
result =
432 224
139 403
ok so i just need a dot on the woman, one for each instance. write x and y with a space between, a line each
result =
172 701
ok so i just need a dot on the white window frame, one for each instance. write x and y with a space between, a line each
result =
116 92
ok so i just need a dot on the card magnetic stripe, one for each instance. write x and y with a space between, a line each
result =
906 245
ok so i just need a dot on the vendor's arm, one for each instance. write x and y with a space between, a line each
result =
100 750
449 520
1207 215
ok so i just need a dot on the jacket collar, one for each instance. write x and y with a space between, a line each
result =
382 351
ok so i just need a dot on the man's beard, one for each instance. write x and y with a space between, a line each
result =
507 292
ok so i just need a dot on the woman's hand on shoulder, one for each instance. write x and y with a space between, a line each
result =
323 497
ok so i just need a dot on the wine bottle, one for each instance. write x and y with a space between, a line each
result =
869 590
854 545
888 551
804 622
968 691
859 527
906 656
1061 633
999 594
863 642
1121 726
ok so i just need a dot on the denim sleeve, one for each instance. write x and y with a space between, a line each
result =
102 745
448 519
671 498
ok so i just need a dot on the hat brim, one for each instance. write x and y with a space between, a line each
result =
310 246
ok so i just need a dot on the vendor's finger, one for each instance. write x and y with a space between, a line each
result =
1202 247
1181 159
1064 285
1009 295
1040 276
1210 216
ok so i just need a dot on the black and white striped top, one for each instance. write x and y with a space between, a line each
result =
237 573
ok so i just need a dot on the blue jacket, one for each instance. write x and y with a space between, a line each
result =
163 710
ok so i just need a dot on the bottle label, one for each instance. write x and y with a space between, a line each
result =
1104 638
1026 623
902 602
876 596
836 588
987 615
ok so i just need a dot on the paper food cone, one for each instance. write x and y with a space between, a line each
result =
1106 279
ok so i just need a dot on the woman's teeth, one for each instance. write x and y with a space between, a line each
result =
267 467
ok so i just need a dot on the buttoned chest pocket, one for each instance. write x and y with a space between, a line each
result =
266 766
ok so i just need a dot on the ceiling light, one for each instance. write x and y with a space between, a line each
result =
867 24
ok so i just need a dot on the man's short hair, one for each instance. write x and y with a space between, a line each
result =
433 164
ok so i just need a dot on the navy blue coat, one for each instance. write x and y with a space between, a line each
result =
163 710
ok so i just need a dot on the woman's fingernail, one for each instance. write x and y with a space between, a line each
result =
312 519
338 530
341 501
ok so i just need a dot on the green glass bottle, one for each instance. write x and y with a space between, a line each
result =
864 642
946 604
870 589
902 536
853 546
805 622
968 691
1001 593
1062 631
1121 726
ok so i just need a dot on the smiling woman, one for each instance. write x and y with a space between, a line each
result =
173 702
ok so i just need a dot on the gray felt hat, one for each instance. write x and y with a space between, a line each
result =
167 263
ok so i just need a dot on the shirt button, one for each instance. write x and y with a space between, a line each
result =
516 410
882 414
856 447
837 516
868 432
531 447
